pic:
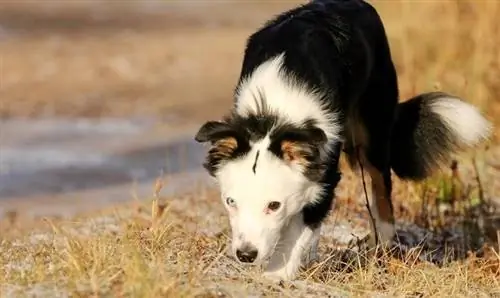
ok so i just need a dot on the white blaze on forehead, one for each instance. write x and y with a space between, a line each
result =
294 102
271 178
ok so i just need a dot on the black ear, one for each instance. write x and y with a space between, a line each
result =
213 131
226 143
299 145
303 147
311 135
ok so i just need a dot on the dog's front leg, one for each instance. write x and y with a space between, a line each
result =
297 246
311 255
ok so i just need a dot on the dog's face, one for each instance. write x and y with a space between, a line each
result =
263 182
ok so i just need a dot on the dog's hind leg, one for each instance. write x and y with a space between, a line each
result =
371 130
368 152
382 223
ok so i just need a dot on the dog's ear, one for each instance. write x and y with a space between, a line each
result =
227 143
213 131
299 145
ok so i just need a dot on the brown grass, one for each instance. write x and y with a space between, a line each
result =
65 63
176 247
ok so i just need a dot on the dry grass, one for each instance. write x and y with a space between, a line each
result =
176 247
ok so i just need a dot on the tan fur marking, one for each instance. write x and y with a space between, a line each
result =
356 137
292 152
382 201
225 147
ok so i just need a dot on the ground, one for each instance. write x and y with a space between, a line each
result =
175 64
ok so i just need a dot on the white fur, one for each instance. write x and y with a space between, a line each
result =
311 255
385 230
465 120
295 248
287 97
273 180
281 237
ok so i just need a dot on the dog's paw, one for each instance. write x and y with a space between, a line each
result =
279 275
310 259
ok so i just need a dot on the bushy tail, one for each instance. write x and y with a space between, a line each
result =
431 127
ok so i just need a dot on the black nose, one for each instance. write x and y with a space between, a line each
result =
247 254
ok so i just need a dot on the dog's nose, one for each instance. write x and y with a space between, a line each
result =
247 254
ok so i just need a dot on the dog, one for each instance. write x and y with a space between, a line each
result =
316 81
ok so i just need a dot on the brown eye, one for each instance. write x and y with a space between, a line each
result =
273 206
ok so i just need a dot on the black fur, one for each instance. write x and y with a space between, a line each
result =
254 167
255 127
311 140
420 147
339 47
315 213
214 131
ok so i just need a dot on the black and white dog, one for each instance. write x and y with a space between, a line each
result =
317 80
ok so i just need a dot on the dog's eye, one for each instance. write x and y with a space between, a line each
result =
273 206
230 202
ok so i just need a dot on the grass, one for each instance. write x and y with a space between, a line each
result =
175 247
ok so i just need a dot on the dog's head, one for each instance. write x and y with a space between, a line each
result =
266 176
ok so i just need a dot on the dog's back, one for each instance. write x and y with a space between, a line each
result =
332 45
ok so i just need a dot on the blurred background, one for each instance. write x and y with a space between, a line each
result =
98 98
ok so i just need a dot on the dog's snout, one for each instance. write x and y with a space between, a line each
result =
247 254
